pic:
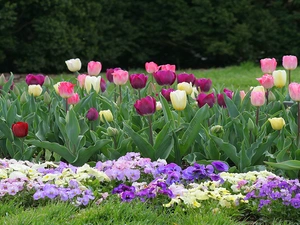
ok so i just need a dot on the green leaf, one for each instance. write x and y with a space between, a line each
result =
166 110
192 131
6 130
282 156
163 143
144 146
232 109
11 114
286 165
73 129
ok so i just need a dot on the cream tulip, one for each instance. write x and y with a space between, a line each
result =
178 99
279 78
184 86
35 90
92 81
73 64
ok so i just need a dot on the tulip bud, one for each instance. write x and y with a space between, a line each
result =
8 103
47 82
277 123
217 130
271 96
250 124
23 98
111 132
16 90
2 80
47 98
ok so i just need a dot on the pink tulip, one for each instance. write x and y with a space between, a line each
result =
94 68
258 98
120 77
81 80
289 62
268 65
145 106
66 89
294 91
74 99
203 99
267 81
242 94
168 67
151 67
109 73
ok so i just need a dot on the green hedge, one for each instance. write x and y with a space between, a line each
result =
39 35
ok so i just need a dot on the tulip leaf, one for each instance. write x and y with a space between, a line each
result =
232 109
282 156
286 165
11 114
55 147
144 146
164 143
228 149
192 131
6 130
73 129
84 154
166 110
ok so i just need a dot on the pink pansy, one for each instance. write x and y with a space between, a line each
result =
94 68
267 81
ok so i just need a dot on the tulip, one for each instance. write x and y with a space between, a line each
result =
102 85
203 99
91 81
258 88
289 62
138 81
164 77
257 98
107 115
35 90
23 98
277 123
220 97
20 129
168 67
151 67
81 80
294 91
73 65
66 89
92 114
145 106
74 99
178 100
35 79
184 77
242 94
47 98
166 93
120 77
55 86
109 73
94 68
279 78
194 93
268 65
184 86
47 82
2 80
158 106
267 81
204 84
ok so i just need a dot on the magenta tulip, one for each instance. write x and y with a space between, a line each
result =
145 106
294 91
103 85
138 81
204 84
203 99
185 77
289 62
151 67
166 93
35 79
267 81
268 65
92 114
164 77
220 97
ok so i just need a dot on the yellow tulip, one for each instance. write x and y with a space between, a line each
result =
184 86
178 99
279 78
277 123
35 90
107 115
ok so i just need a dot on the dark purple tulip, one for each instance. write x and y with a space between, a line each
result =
204 84
138 81
185 77
109 73
35 79
103 85
165 77
220 166
203 99
166 93
145 106
220 97
92 114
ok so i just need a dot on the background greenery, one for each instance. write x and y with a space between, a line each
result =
39 35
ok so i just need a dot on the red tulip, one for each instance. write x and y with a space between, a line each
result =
138 81
204 84
145 106
220 97
165 77
103 85
203 99
20 129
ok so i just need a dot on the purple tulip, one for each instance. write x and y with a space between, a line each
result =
220 97
92 114
35 79
166 93
185 77
165 77
102 85
145 106
138 81
204 84
203 99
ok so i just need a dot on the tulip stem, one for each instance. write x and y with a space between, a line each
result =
289 76
298 136
120 89
139 92
115 93
179 117
267 96
150 130
67 105
257 115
